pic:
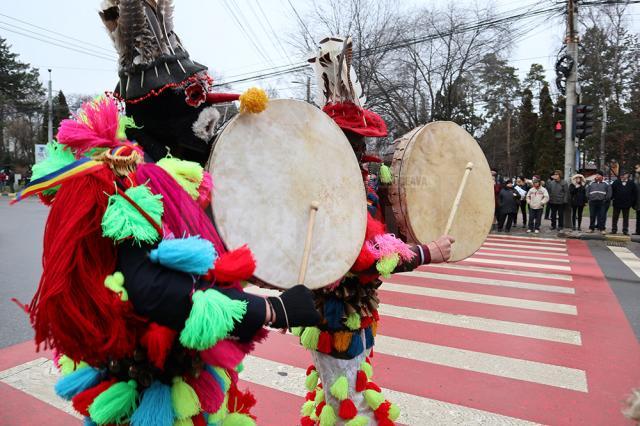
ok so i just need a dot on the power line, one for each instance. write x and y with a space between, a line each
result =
300 19
250 27
84 42
273 31
58 45
244 31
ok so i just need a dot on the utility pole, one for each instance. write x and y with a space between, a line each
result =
571 98
603 133
50 124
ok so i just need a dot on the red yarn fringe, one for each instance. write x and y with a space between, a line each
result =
158 340
235 265
347 409
84 399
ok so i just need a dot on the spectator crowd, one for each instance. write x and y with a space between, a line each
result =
532 199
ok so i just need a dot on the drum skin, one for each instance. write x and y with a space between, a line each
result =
267 169
428 165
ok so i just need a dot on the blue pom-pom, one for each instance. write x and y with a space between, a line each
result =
193 255
72 384
333 313
156 408
368 335
355 347
88 422
219 379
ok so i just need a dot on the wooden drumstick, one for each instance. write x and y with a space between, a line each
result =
456 202
307 243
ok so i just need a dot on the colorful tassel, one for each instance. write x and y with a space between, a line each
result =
347 409
307 408
116 404
199 420
115 283
307 421
361 381
358 421
382 412
238 419
309 338
212 317
155 407
183 422
193 255
221 376
387 265
122 220
353 321
367 368
158 340
311 381
88 422
208 390
68 366
373 398
58 156
364 260
342 340
356 347
184 399
253 100
240 402
225 354
368 336
218 416
324 342
333 313
394 412
328 416
319 408
188 174
235 265
72 384
385 174
319 396
297 331
340 388
84 399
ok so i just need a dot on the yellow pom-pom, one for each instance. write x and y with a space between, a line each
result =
253 100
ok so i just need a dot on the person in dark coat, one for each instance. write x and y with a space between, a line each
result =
558 197
523 188
578 193
623 197
598 195
508 203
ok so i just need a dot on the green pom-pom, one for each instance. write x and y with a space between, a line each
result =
240 368
297 331
367 368
385 174
184 399
188 174
328 416
115 283
353 321
125 122
121 220
387 264
373 398
58 156
219 415
213 315
238 419
309 337
394 412
183 422
116 404
340 388
358 421
311 381
307 408
319 396
68 366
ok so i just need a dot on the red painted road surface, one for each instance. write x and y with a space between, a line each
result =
609 354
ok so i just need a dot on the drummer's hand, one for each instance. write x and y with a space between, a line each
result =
294 308
440 249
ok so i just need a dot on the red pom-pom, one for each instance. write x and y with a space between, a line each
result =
306 421
382 412
84 399
235 265
364 260
373 386
310 396
376 315
319 408
158 340
361 381
347 409
324 342
374 227
198 420
365 322
240 402
310 369
371 353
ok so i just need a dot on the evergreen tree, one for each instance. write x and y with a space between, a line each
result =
60 112
527 126
548 152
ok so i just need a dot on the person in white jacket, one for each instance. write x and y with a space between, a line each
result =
537 197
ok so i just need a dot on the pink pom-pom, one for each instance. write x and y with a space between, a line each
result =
225 354
388 244
208 391
205 190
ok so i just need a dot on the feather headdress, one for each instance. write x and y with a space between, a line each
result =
337 80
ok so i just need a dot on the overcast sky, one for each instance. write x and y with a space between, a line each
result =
213 38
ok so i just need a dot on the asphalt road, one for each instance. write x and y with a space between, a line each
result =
22 226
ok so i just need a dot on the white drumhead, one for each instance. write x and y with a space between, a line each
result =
432 168
267 169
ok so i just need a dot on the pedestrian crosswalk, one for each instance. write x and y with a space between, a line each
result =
526 331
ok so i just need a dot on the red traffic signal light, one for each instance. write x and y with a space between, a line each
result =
558 130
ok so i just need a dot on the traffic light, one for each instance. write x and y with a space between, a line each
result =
558 131
582 121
